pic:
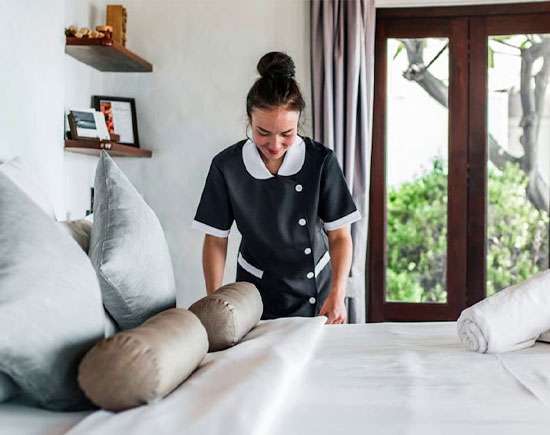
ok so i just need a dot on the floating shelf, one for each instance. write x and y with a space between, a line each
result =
106 55
92 147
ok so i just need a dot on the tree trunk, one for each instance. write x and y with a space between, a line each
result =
532 107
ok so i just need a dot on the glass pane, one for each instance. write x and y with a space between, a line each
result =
416 169
519 156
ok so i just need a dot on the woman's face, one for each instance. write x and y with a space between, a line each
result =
274 131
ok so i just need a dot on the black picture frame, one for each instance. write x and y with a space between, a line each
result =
98 100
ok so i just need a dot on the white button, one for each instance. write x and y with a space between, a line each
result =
298 188
307 251
310 275
312 300
302 222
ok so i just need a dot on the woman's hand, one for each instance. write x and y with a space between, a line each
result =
334 308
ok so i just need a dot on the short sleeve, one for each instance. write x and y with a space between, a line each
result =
214 214
336 205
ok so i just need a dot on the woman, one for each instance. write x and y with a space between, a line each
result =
289 200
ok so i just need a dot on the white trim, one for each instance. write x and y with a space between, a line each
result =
322 263
258 273
210 230
348 219
253 162
293 160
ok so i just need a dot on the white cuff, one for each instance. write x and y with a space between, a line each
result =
210 230
348 219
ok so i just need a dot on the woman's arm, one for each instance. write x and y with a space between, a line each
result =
214 252
340 248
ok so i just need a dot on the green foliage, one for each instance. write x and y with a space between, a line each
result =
417 234
517 239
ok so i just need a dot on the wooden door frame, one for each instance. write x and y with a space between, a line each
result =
487 10
470 146
379 309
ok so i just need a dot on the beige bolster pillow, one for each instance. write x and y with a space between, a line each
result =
143 364
229 313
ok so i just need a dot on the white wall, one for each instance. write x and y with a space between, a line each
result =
31 90
204 55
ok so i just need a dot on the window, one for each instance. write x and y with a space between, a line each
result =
461 157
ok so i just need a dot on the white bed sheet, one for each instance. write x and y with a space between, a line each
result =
416 378
18 418
297 376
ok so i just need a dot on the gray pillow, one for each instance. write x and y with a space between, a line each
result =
144 364
80 231
128 250
229 313
50 303
8 389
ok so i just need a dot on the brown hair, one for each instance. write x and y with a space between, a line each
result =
276 87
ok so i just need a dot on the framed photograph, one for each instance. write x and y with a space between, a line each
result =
87 124
120 117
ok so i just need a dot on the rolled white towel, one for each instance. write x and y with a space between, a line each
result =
511 319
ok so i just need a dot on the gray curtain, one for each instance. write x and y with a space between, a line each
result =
342 60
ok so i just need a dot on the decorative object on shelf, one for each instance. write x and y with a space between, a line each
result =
120 117
84 32
116 18
106 30
87 124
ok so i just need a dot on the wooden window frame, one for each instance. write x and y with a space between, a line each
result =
467 28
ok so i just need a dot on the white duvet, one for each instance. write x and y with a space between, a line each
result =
238 391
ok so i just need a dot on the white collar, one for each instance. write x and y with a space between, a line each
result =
292 163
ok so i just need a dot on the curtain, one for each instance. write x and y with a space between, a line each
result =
342 68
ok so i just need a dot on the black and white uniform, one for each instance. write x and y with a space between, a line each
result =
282 218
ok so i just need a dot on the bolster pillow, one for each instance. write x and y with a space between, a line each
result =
229 313
144 364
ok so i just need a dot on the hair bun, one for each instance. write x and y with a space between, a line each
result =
276 65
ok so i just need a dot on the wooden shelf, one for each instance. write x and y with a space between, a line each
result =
92 147
105 55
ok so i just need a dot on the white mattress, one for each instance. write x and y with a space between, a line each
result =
297 376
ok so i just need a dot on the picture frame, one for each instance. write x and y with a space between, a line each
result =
87 124
120 117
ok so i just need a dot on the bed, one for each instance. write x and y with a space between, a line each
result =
300 376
